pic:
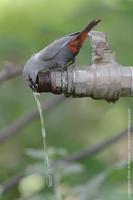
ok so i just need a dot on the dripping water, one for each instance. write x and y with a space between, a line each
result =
49 177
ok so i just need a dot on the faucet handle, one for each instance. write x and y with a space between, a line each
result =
100 46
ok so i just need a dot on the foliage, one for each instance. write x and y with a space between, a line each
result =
108 183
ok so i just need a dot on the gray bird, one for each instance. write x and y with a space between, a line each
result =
60 53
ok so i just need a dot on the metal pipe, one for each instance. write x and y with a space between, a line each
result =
104 79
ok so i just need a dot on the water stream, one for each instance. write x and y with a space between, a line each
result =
48 175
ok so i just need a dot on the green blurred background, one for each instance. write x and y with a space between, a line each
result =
25 28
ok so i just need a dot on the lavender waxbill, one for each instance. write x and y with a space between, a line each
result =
60 53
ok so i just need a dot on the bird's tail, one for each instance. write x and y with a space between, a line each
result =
90 26
80 38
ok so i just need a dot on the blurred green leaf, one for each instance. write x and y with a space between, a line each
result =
53 153
110 184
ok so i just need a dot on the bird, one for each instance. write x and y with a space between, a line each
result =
58 54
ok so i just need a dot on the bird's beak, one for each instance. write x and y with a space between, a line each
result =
33 85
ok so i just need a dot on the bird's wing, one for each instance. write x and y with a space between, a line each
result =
52 50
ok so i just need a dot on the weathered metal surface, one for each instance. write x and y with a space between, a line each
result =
104 79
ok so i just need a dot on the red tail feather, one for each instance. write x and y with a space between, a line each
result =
76 43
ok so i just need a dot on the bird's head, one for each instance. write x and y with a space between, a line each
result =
30 73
